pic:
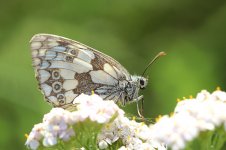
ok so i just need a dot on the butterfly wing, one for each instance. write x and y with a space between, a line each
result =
66 68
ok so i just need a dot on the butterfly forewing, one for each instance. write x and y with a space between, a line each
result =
66 68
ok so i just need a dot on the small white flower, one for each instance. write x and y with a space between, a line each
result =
79 116
143 132
32 144
146 146
134 143
219 95
203 95
103 144
35 136
67 134
123 148
49 140
156 145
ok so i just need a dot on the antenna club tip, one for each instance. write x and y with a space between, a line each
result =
153 60
162 54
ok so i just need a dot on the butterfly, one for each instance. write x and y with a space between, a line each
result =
66 68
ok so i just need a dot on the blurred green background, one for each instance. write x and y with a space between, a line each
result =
192 33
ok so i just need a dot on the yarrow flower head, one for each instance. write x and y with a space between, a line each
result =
132 134
55 125
59 124
192 116
94 108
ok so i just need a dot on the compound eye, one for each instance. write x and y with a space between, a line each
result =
141 82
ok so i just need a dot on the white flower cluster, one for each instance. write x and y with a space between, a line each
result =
132 134
58 124
95 108
191 116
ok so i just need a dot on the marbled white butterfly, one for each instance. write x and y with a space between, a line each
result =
66 68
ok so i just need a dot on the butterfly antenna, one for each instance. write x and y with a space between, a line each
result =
153 60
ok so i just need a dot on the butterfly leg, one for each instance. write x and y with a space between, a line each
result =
140 111
136 100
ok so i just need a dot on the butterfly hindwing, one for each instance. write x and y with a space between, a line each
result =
66 68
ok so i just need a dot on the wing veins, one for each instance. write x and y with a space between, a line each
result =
66 53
